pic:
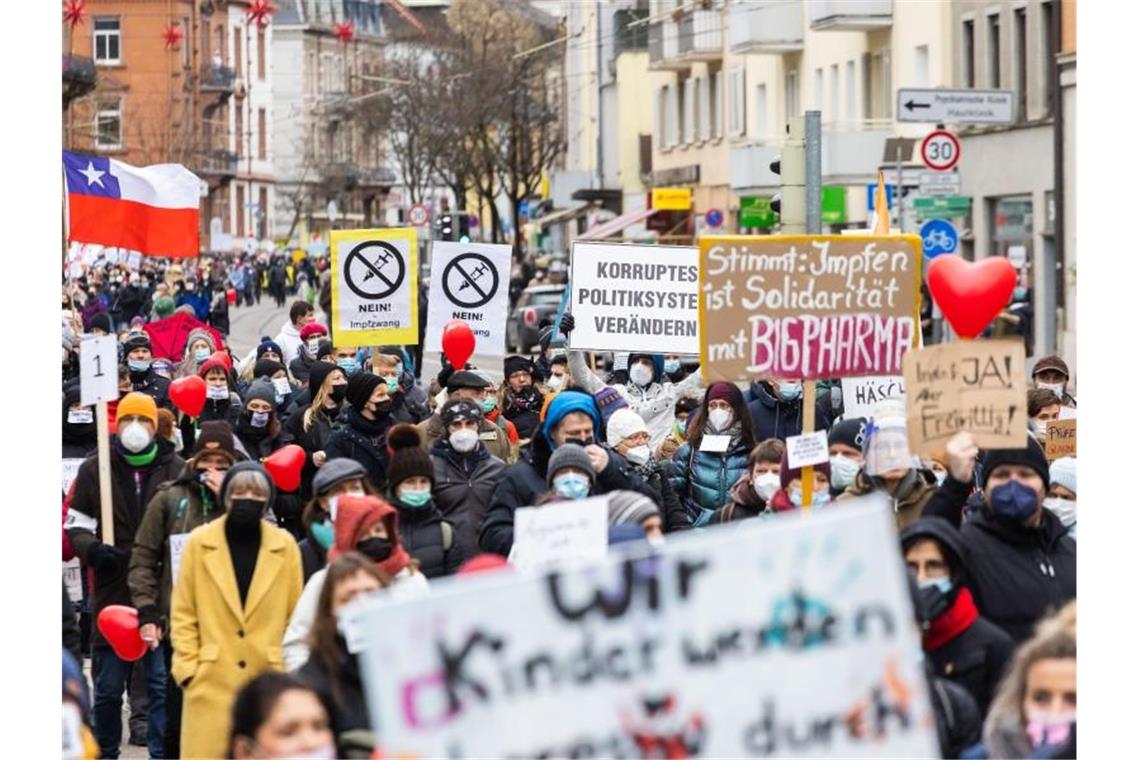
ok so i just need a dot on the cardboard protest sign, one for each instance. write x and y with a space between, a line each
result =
572 531
807 306
634 298
860 394
974 385
375 287
723 644
1060 439
469 281
807 449
98 369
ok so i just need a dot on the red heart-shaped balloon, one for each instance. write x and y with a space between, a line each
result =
458 342
189 394
284 466
120 626
971 293
231 296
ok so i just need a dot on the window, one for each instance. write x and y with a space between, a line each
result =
261 54
993 50
671 110
817 90
1020 64
736 101
185 43
718 104
109 124
238 130
1049 54
761 111
921 66
262 212
887 89
849 102
701 110
833 102
792 94
968 53
106 42
240 197
662 117
237 52
687 125
868 102
261 133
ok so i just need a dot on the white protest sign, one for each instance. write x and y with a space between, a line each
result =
807 449
561 532
70 470
765 641
469 281
375 287
634 298
177 546
860 394
72 579
98 369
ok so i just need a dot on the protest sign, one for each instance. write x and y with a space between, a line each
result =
860 394
469 281
572 531
975 385
769 640
98 369
375 287
72 579
807 449
1060 439
178 543
634 298
815 306
70 470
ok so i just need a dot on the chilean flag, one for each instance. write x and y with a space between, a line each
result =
152 210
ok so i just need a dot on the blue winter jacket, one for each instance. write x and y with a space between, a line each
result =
703 480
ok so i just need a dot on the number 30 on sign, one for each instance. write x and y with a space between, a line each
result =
941 150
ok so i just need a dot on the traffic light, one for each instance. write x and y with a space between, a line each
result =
445 227
791 202
464 227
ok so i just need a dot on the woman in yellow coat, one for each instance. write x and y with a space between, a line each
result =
238 584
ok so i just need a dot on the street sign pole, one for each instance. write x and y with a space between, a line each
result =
813 182
900 191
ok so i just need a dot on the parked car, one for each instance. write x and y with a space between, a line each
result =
535 305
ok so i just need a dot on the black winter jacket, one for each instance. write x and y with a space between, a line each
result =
775 418
958 720
313 557
422 534
364 441
345 704
673 514
464 485
154 385
315 439
71 638
1018 574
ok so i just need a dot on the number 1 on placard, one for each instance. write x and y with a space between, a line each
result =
98 365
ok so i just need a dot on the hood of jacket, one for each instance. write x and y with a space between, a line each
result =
745 495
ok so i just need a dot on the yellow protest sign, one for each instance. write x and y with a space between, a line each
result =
375 286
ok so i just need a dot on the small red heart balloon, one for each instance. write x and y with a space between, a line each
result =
971 293
231 296
284 466
458 342
120 626
189 394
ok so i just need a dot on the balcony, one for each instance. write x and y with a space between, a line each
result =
218 79
852 151
336 103
78 77
768 26
699 36
850 15
663 50
219 163
377 177
748 165
343 175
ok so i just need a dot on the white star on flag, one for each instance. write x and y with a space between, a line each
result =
93 175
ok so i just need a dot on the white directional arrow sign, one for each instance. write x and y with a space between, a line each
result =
955 106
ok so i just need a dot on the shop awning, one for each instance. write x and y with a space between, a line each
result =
616 225
563 215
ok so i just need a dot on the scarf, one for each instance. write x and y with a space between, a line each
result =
396 561
951 623
142 459
372 429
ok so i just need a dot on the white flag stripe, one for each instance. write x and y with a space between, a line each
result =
160 185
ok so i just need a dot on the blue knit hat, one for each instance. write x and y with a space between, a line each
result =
570 401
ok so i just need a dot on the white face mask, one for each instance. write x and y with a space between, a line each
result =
1065 509
720 419
258 419
134 437
843 471
314 346
556 382
640 374
638 454
1057 388
766 484
80 416
463 440
217 392
281 387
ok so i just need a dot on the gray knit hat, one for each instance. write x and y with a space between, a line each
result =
260 389
570 455
631 508
336 471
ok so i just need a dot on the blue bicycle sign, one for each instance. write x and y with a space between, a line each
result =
938 237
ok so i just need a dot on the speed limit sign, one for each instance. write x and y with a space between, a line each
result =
941 150
418 215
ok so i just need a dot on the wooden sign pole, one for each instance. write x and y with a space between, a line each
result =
106 514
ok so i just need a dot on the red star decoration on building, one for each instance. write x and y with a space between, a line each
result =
259 12
346 31
74 12
171 35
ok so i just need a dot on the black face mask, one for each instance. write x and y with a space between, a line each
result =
244 513
337 393
376 549
381 408
933 602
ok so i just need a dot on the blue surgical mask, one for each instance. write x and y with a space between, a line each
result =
201 354
790 391
572 486
393 384
350 366
672 365
138 365
1019 293
943 584
1013 501
797 497
415 499
322 533
489 404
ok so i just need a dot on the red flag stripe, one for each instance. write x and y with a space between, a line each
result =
135 226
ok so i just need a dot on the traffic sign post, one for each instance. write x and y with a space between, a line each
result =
955 106
941 150
942 206
418 215
939 183
938 237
